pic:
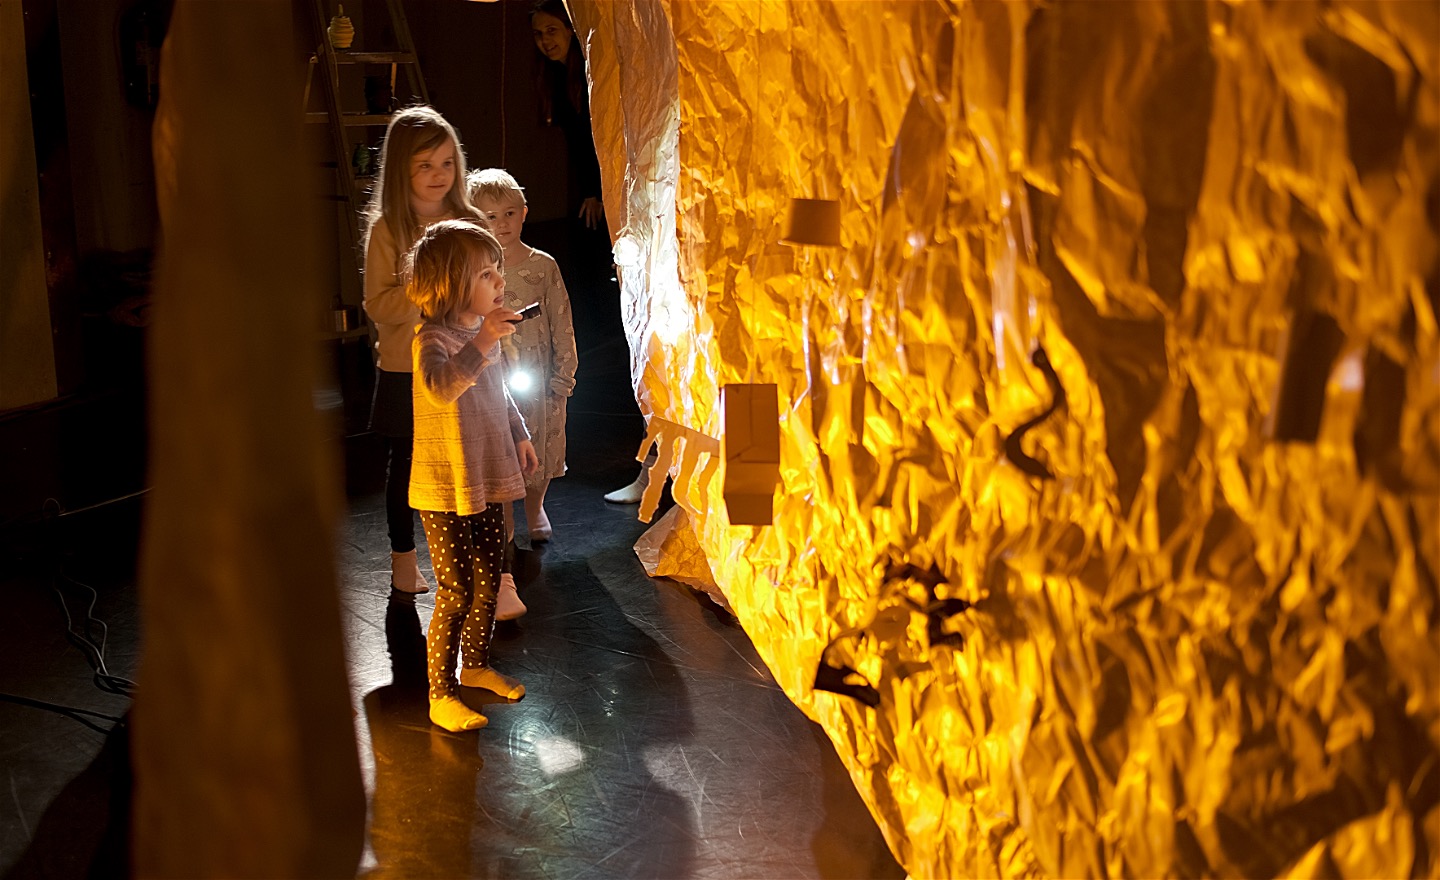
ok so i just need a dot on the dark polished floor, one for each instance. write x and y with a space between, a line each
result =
652 743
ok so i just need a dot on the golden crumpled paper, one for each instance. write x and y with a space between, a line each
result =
1206 643
669 549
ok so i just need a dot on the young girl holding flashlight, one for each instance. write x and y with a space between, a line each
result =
472 453
540 357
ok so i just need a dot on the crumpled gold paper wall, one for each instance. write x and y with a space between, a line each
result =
1208 645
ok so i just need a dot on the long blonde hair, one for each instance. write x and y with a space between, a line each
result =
441 265
412 130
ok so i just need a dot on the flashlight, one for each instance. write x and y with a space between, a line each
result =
520 381
530 311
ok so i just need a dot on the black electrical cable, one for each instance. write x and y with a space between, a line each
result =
94 654
71 712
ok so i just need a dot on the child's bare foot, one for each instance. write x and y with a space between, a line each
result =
405 574
495 682
540 530
455 716
507 601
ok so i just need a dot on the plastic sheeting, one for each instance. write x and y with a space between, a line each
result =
1109 517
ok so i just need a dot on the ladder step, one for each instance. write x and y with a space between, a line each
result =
350 118
344 57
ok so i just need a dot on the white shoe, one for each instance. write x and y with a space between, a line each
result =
405 574
507 602
632 493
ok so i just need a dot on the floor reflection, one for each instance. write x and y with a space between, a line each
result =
423 805
652 742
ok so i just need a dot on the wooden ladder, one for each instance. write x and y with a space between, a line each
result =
348 127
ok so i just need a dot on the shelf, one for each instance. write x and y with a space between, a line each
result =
350 119
344 56
352 333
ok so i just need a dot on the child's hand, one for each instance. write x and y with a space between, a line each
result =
529 461
496 326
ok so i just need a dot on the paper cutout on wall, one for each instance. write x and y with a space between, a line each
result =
689 491
812 222
1013 449
1312 342
752 452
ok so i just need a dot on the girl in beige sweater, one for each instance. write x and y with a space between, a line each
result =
421 180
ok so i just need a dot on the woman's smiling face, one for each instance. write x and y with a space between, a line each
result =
552 36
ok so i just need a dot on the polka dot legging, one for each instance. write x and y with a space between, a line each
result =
468 554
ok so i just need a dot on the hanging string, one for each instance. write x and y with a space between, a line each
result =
504 41
754 355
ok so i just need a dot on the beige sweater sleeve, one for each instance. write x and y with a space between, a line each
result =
393 315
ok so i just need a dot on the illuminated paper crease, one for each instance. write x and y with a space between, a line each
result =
1209 645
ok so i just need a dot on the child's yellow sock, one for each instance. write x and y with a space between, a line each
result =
495 682
455 716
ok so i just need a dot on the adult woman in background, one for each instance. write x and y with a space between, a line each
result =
565 103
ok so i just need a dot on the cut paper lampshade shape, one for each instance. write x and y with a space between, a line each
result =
813 222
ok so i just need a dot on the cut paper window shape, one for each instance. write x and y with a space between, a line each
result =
752 452
1309 348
